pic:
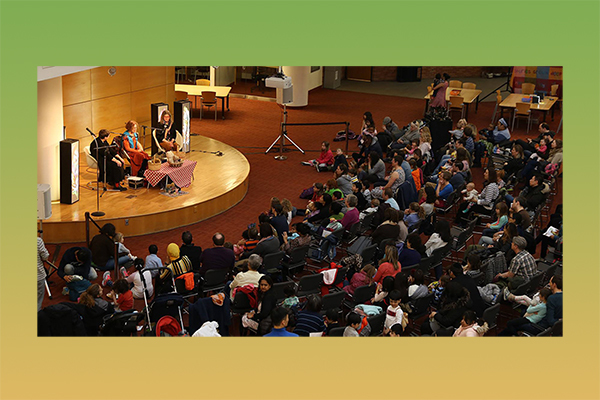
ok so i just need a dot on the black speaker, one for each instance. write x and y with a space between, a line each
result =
156 110
182 121
69 171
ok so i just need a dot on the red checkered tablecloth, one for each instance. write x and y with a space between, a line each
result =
181 176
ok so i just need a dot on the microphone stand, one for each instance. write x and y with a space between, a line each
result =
99 213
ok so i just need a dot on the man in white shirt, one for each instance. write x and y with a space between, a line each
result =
388 197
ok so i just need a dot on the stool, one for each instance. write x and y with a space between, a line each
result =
135 182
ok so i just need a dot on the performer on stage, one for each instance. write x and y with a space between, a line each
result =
139 157
114 163
167 136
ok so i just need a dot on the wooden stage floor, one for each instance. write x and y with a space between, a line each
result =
219 184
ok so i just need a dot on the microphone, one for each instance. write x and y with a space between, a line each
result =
91 133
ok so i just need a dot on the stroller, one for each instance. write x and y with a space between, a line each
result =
121 323
164 304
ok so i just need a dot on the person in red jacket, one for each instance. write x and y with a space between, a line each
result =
325 159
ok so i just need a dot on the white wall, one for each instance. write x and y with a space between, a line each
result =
224 76
315 79
50 132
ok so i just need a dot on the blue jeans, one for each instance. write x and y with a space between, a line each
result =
110 264
443 161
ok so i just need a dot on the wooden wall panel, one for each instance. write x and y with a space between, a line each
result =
170 75
170 96
140 102
77 88
104 85
111 112
77 117
147 77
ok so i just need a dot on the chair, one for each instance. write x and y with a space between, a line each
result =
456 103
528 88
460 242
449 331
240 304
365 224
522 111
214 280
92 164
455 84
490 315
310 284
530 286
497 107
180 95
425 265
554 90
296 262
469 85
332 301
420 309
339 278
279 289
208 99
361 295
368 253
376 322
338 331
203 82
548 271
273 260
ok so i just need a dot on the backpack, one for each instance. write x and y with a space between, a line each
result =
76 288
307 193
251 292
188 281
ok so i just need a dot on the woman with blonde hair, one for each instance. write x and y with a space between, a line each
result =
288 210
413 214
135 150
425 143
390 265
364 277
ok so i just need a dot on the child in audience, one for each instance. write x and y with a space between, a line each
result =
416 173
153 260
502 214
417 288
383 291
136 279
413 146
473 264
288 210
459 131
354 322
340 158
413 214
470 192
437 288
425 145
394 313
373 209
541 149
357 191
396 330
121 295
336 211
119 238
533 315
361 278
367 192
331 320
291 300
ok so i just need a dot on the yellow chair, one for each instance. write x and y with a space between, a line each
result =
203 82
528 88
522 111
469 85
208 99
554 90
456 103
455 84
497 107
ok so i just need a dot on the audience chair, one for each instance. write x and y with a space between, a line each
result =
332 301
241 303
522 111
339 278
377 322
368 253
449 331
338 331
310 284
469 85
296 262
528 88
208 99
456 103
425 265
490 315
497 107
420 309
215 280
279 289
203 82
455 84
361 295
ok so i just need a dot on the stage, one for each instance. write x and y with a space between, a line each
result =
219 184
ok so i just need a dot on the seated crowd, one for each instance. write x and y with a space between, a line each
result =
392 196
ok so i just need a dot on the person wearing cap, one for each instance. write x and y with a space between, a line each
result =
177 265
522 267
499 133
391 127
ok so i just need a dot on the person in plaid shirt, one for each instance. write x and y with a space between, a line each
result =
522 267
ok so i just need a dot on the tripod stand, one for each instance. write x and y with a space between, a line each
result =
99 213
282 136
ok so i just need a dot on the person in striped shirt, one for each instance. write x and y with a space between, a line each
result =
42 254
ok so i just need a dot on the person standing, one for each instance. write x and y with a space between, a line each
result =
42 255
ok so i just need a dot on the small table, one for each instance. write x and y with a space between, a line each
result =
222 92
181 176
514 98
468 95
